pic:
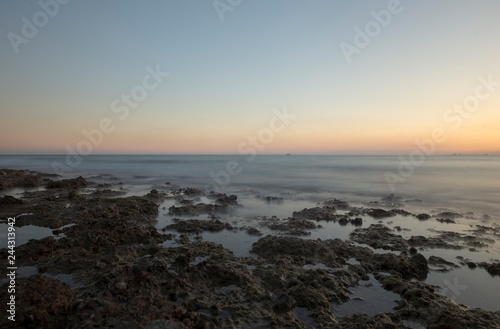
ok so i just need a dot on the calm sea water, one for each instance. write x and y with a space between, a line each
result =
464 183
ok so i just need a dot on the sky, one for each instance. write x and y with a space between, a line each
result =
283 76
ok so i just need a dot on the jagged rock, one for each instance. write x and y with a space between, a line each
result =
423 216
197 226
9 201
75 183
379 213
379 236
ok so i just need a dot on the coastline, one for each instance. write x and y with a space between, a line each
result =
159 259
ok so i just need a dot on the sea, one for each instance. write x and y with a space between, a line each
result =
465 184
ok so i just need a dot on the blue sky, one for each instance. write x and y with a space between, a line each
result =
225 77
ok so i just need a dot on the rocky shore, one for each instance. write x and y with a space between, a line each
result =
121 271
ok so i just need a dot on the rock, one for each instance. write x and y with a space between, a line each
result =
75 183
198 209
197 226
447 221
293 226
343 221
448 215
316 213
284 303
226 199
441 263
21 178
42 302
379 236
379 213
272 199
420 265
253 231
9 201
359 320
493 269
337 204
192 191
423 216
433 242
121 285
357 221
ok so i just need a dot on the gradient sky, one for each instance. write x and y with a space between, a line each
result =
226 77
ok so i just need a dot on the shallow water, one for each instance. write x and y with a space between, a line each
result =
369 298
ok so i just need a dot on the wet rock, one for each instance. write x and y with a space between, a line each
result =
357 221
448 215
284 303
471 265
197 226
21 178
379 213
271 199
253 231
493 268
9 201
379 236
293 226
420 301
121 285
358 321
446 220
433 242
423 216
156 196
316 213
130 208
103 233
198 209
227 199
337 204
42 302
408 267
392 198
192 191
75 183
343 221
401 212
72 195
442 264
